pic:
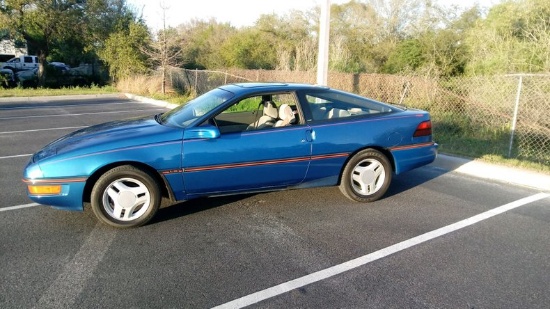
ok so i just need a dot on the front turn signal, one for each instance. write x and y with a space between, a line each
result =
44 190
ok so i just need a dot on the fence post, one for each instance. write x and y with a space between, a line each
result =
196 80
515 118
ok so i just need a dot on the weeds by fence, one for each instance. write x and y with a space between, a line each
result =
507 116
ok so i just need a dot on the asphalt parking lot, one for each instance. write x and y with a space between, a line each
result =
439 239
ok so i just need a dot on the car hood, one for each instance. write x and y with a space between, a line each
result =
111 136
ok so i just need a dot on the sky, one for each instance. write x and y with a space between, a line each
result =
238 12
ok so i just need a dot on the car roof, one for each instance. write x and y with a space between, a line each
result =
245 88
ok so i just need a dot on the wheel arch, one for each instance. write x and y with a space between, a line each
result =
166 192
382 150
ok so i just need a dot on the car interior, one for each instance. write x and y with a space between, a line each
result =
257 113
324 107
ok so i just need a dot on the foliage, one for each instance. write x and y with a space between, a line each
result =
30 92
202 41
373 36
122 51
407 56
513 38
70 31
289 38
249 50
165 51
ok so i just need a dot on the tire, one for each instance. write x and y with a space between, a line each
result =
125 197
366 177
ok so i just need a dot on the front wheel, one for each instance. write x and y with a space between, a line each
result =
125 196
367 176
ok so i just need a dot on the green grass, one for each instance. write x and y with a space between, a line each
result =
471 150
29 92
249 104
171 98
461 135
523 164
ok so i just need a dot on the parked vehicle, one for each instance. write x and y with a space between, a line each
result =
21 63
7 78
28 78
235 139
57 75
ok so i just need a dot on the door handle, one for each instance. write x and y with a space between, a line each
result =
310 135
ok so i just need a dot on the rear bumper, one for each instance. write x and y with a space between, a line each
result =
410 157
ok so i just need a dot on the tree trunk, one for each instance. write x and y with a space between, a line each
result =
163 80
41 69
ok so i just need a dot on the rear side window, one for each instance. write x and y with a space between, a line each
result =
333 105
28 59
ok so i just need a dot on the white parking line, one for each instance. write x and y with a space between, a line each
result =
19 207
16 156
38 130
82 114
62 106
64 291
363 260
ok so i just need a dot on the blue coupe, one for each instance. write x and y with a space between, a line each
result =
238 138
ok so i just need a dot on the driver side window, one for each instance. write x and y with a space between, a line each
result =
258 113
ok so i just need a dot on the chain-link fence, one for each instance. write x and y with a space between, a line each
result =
506 116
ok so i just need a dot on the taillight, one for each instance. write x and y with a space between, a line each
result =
423 129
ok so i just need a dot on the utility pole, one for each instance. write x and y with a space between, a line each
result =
322 56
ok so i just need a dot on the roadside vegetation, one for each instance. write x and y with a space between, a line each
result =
29 92
420 37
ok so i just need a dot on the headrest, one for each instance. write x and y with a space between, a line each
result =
270 109
286 114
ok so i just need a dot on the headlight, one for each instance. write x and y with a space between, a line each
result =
33 172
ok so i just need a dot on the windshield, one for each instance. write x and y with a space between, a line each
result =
185 115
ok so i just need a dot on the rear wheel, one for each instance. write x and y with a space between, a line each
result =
367 176
125 196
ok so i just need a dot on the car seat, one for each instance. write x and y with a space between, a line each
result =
286 116
268 118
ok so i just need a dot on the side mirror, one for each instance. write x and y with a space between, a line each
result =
204 132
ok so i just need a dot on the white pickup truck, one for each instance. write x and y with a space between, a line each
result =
21 63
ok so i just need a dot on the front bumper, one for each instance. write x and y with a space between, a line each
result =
67 197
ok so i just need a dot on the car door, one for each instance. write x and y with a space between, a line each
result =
244 158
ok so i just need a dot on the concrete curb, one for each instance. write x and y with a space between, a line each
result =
495 172
150 101
43 99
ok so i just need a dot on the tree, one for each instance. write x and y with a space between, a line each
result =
202 41
165 51
69 30
408 56
251 49
365 33
513 38
44 24
291 34
123 51
436 51
354 37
